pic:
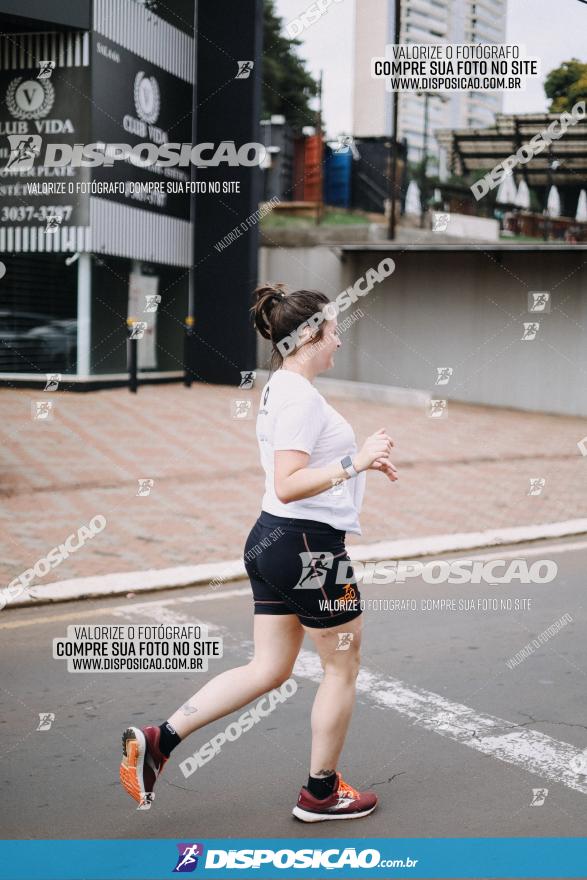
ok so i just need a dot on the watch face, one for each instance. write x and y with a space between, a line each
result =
347 461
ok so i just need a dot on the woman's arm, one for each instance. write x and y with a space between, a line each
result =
294 480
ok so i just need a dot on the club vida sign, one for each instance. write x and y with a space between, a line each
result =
147 103
29 102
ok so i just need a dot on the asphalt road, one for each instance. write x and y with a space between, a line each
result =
453 740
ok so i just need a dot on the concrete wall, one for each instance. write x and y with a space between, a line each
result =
462 309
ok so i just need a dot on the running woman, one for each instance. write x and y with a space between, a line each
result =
314 486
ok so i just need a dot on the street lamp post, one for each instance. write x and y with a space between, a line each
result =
394 97
189 335
423 182
132 355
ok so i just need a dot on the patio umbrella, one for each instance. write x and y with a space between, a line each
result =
523 196
581 215
553 205
507 192
413 203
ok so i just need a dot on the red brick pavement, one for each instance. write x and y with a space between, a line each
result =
468 472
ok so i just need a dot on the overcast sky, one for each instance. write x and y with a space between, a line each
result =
553 30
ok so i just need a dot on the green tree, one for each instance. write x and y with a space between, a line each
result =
287 86
565 85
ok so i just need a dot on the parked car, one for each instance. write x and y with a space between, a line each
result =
36 343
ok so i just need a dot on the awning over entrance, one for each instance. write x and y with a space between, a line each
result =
561 163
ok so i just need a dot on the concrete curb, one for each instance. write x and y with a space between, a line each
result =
233 569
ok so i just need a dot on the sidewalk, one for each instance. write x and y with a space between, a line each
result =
468 472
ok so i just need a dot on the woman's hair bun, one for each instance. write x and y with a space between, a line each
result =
267 296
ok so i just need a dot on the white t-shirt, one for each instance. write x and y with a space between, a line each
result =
294 415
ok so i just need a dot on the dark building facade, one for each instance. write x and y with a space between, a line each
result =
86 249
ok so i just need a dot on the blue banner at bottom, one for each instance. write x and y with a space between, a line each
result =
530 857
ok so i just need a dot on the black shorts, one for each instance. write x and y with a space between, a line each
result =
293 565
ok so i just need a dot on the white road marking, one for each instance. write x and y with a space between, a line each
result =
528 749
161 613
115 609
503 740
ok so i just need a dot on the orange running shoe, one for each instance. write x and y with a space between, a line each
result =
142 762
345 802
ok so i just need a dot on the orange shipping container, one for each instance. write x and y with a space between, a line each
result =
308 169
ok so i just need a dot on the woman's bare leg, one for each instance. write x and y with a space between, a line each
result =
278 639
335 699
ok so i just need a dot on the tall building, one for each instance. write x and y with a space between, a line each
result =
422 21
